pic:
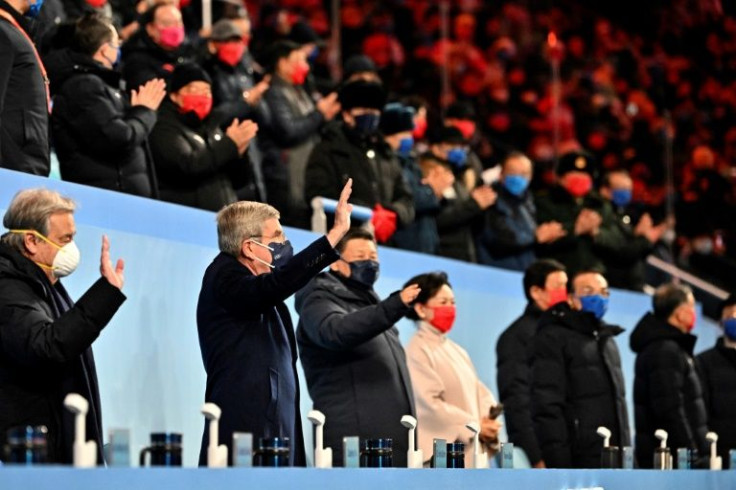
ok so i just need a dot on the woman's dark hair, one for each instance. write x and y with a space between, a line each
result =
429 283
91 31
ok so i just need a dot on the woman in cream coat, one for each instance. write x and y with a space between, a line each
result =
447 391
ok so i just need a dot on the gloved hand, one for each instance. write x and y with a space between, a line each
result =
384 223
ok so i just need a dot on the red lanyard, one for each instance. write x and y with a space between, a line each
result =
45 77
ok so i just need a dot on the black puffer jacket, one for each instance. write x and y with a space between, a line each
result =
100 139
717 369
375 170
577 386
196 163
513 352
667 390
45 352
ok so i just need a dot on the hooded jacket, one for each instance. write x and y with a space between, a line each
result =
667 390
577 386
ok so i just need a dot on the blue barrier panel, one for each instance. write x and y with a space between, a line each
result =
148 358
361 479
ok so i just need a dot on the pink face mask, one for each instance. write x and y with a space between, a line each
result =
171 37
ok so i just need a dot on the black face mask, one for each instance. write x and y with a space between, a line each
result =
364 272
367 124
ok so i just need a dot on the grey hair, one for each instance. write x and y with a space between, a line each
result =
31 209
668 297
240 221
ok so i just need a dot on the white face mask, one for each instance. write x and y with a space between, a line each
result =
66 260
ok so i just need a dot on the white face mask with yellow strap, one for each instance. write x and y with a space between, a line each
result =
66 260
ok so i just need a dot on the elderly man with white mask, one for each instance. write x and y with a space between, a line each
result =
46 338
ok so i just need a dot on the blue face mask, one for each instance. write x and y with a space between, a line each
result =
405 146
281 253
367 124
729 328
116 61
365 272
457 156
621 197
516 184
595 304
313 55
35 9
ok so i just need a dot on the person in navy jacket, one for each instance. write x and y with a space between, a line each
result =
245 330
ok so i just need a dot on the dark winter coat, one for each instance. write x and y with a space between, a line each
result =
514 376
576 252
144 60
24 112
196 163
100 139
45 352
667 390
717 370
623 252
456 223
370 162
286 141
577 386
509 236
228 85
249 350
421 234
354 363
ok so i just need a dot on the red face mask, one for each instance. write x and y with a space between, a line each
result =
444 317
300 73
231 52
201 105
556 296
691 325
467 128
96 3
578 185
420 127
171 37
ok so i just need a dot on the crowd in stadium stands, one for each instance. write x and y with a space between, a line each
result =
525 133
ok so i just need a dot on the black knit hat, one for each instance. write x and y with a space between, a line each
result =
580 161
302 33
396 118
186 73
356 64
446 134
367 95
276 51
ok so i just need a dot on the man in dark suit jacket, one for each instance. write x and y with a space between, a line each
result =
354 363
24 109
245 330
